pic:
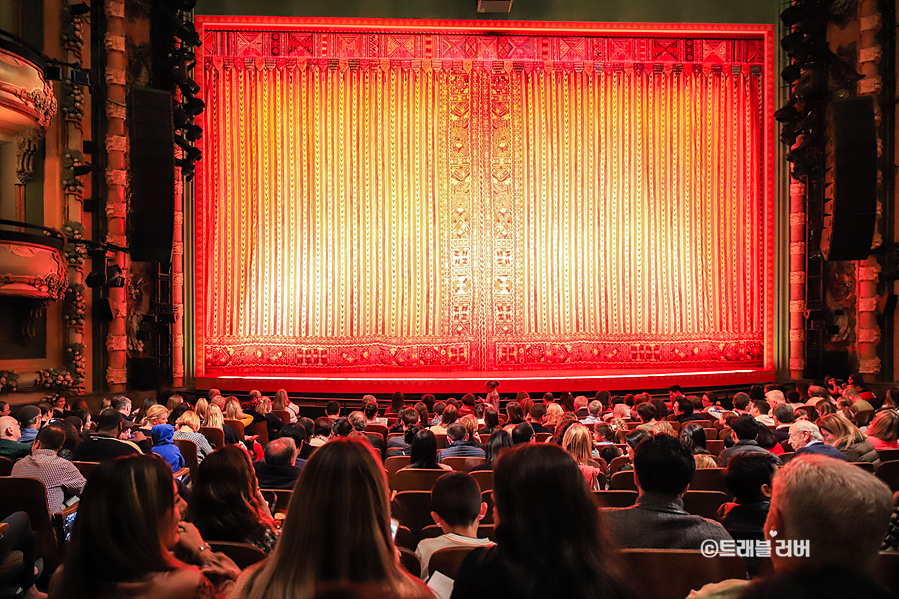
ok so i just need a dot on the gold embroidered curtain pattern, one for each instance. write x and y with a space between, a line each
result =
479 215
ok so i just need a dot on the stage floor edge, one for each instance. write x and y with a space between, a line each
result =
473 382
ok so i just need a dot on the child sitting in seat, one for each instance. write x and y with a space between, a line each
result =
457 509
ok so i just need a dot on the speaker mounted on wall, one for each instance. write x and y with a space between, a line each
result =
152 167
850 206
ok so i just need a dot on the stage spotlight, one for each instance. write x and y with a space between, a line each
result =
114 276
180 117
791 41
80 8
53 73
185 31
791 73
182 143
81 77
789 134
97 278
811 84
191 155
786 114
189 87
792 15
194 106
82 169
193 132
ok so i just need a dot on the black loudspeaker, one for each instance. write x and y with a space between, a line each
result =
850 206
143 375
152 167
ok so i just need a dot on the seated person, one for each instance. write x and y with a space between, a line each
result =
535 417
594 409
457 508
407 438
105 443
745 431
280 469
371 411
663 469
424 452
165 448
61 477
407 419
523 433
19 536
459 444
683 409
332 410
647 414
29 422
357 420
322 431
188 427
805 437
748 478
10 433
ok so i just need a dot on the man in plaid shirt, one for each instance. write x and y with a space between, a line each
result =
60 476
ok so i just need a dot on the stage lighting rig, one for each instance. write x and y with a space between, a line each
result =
194 106
185 31
82 170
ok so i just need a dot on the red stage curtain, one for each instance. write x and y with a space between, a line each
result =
480 215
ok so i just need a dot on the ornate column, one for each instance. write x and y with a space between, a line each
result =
178 282
116 189
26 147
798 310
867 271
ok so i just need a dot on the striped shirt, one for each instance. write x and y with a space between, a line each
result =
60 476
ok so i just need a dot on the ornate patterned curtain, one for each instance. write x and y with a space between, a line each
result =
396 214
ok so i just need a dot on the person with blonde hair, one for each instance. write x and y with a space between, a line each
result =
202 409
449 416
215 420
704 460
884 430
343 477
233 411
663 427
839 432
188 427
471 425
553 416
155 414
283 403
579 443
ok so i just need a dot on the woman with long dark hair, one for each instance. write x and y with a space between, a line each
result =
337 531
424 452
226 504
128 522
567 555
498 441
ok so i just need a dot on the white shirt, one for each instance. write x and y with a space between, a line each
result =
427 547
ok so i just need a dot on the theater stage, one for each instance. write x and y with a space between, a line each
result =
613 380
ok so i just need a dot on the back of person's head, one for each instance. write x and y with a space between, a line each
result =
693 436
371 410
762 406
456 432
685 406
549 398
109 421
605 432
748 476
565 555
746 428
766 438
885 426
83 415
696 401
844 432
332 409
280 451
741 401
538 411
295 431
663 465
109 544
342 477
704 460
661 408
323 426
449 416
491 417
609 453
411 432
676 390
428 399
281 400
308 424
756 392
190 419
513 411
784 413
342 427
634 438
396 402
222 501
498 441
439 407
51 437
120 402
594 408
357 420
424 450
410 416
841 510
579 443
456 497
646 411
522 433
468 400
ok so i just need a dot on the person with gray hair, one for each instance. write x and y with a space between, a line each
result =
784 416
594 409
358 421
280 468
806 438
459 446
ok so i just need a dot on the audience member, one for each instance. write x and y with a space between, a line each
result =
423 455
438 408
536 415
226 504
357 419
20 537
523 433
61 478
704 460
603 434
683 409
741 403
468 403
491 422
497 442
492 394
296 432
839 432
282 403
449 416
187 427
647 414
348 540
692 435
594 409
805 438
114 554
308 425
106 442
459 444
332 410
370 410
566 555
263 412
165 448
457 509
234 411
29 422
663 469
397 401
784 416
216 420
578 443
5 410
202 410
280 469
410 417
322 431
884 430
759 410
553 416
745 431
122 405
10 433
748 478
407 438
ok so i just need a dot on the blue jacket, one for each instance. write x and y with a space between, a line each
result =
165 448
820 448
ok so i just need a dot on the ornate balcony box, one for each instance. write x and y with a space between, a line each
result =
26 97
31 266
